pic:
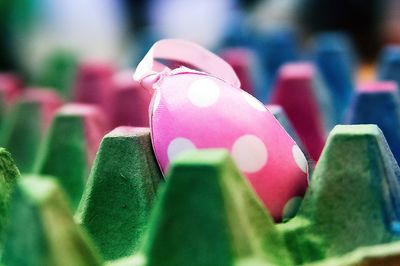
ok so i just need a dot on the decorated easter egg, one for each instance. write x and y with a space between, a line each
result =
194 109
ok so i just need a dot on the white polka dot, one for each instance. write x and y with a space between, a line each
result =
156 101
291 208
299 158
179 145
256 104
249 153
203 92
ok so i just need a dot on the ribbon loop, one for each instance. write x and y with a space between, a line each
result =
183 53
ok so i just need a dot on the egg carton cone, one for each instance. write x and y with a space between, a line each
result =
120 192
93 84
240 60
58 72
304 97
352 200
279 47
332 55
208 214
70 146
10 87
389 64
129 102
41 230
10 174
26 124
378 102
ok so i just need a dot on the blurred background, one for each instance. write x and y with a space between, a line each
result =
120 31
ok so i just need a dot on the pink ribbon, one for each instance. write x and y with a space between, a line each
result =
181 53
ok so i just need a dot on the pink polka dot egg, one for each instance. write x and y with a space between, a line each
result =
200 105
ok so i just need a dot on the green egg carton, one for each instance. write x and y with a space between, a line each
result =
205 213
